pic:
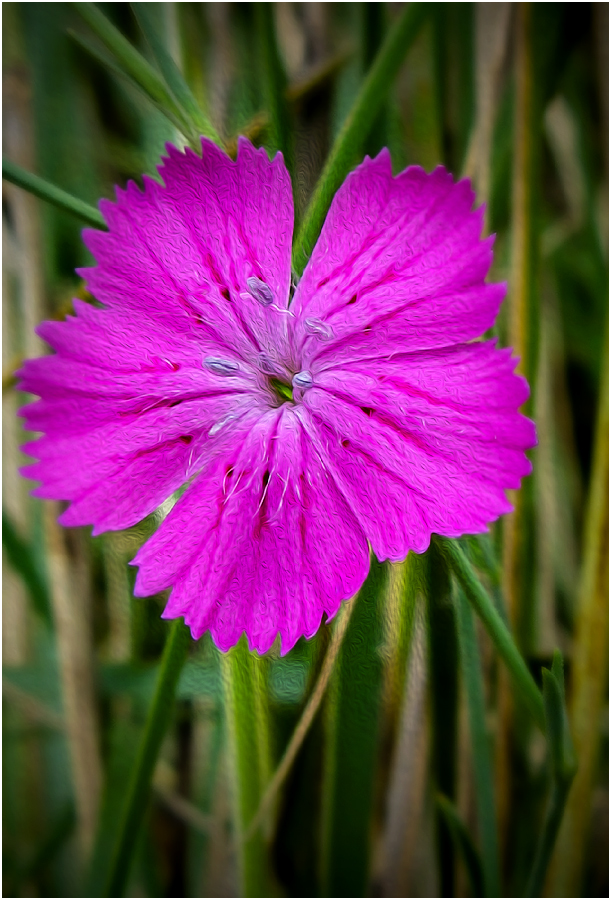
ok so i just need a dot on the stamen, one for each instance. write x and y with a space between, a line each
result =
319 328
221 366
286 312
221 424
303 380
260 290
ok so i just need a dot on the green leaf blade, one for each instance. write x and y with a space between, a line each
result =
158 719
172 74
503 641
135 65
52 194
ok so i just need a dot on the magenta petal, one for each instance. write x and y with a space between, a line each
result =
181 255
275 544
143 457
428 323
417 448
135 489
387 509
119 342
402 255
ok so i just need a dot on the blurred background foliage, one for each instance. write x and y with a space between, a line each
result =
385 795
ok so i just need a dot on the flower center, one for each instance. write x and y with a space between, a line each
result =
282 390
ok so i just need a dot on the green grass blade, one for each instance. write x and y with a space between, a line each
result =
24 562
373 25
480 550
553 699
443 655
135 65
109 63
440 62
274 83
480 743
172 73
563 767
65 118
453 55
351 746
463 843
496 628
121 751
52 194
356 127
522 314
551 826
247 729
590 658
158 719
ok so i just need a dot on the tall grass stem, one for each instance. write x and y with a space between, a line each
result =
399 39
158 718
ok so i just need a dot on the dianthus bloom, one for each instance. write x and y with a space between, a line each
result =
358 413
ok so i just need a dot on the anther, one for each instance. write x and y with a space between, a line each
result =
260 290
303 380
221 366
319 328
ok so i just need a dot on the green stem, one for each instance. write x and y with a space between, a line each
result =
356 126
351 746
496 628
52 194
443 655
248 734
307 717
174 655
480 744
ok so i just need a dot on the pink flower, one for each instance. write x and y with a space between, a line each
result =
361 412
